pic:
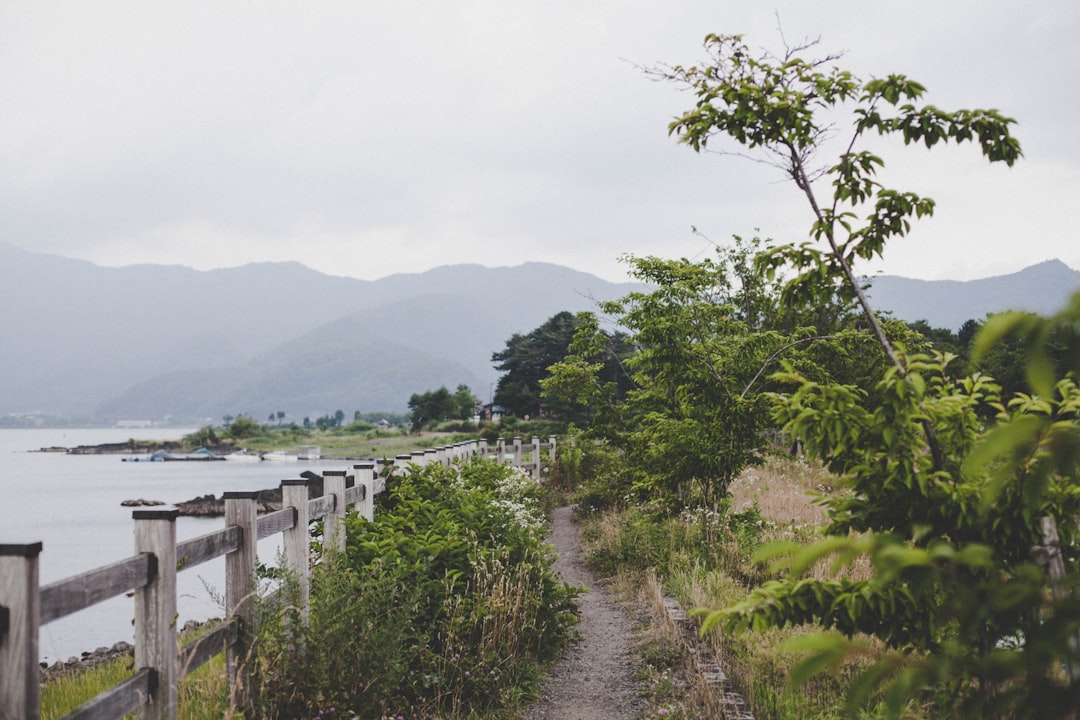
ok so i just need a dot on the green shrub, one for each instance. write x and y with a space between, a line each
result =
444 605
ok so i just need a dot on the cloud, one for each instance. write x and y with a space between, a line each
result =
367 139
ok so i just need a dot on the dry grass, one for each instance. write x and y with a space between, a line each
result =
785 490
788 492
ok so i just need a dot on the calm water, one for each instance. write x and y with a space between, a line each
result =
71 503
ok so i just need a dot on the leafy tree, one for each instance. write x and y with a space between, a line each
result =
438 405
243 427
949 510
463 403
525 361
694 416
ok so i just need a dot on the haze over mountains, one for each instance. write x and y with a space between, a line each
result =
147 342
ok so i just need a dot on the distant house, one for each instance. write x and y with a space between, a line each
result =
492 413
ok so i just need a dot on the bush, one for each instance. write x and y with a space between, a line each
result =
444 605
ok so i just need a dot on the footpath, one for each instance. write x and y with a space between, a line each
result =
594 680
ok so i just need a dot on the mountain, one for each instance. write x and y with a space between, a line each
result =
148 341
1043 288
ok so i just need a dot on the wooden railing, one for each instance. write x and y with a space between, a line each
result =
151 575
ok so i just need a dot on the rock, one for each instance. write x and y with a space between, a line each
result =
141 503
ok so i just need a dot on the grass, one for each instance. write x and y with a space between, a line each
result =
704 562
203 693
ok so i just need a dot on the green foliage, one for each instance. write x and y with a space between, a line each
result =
784 109
693 418
203 437
947 509
243 427
435 406
525 363
442 606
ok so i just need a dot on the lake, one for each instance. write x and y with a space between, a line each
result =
71 503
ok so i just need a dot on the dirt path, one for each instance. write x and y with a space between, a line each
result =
594 679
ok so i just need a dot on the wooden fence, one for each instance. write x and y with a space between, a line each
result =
151 575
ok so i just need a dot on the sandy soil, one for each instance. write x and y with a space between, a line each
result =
595 678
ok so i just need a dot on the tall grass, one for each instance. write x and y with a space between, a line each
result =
203 694
703 559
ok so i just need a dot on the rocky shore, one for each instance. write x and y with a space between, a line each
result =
131 447
90 658
268 500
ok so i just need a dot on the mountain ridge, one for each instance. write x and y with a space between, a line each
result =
1041 288
146 341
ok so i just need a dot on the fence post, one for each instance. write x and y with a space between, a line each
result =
517 451
536 457
241 511
155 611
551 449
297 539
365 478
20 617
334 525
501 454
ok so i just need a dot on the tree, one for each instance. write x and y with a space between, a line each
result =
781 108
463 403
243 427
949 510
438 405
694 415
525 361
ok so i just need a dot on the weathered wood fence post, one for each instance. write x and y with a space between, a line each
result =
20 615
517 451
536 457
365 478
501 455
551 449
241 511
296 541
155 611
334 525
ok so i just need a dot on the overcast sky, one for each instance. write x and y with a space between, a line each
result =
367 138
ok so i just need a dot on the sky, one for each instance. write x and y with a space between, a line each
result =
369 138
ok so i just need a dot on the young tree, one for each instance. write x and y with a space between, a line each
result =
949 511
694 415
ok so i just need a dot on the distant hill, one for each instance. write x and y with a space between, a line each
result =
149 341
1043 288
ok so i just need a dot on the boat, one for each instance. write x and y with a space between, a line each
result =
243 456
158 456
200 455
280 456
309 452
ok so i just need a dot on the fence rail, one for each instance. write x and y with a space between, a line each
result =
151 574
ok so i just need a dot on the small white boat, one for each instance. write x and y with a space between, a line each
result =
243 456
280 456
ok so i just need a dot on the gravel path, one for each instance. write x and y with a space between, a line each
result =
594 679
